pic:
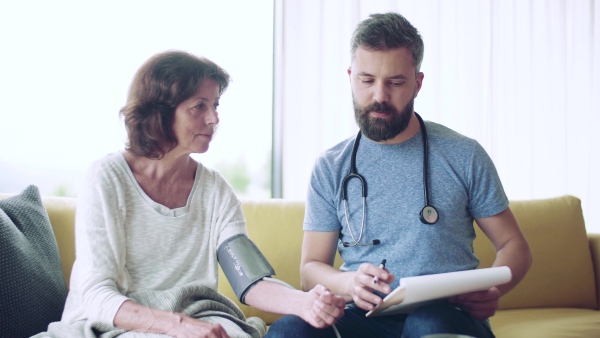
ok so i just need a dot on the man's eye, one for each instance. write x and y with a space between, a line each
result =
367 81
215 106
397 83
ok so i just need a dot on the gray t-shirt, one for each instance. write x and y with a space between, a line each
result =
463 184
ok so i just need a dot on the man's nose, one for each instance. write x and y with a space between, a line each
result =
381 93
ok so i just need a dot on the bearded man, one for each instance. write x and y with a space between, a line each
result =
404 190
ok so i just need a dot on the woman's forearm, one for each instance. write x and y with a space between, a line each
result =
275 298
132 316
318 307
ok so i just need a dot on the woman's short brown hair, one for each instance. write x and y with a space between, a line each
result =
159 86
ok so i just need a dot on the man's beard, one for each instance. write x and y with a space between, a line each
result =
380 129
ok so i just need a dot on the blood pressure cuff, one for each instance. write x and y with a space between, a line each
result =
243 264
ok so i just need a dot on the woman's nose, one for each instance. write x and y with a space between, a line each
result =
212 116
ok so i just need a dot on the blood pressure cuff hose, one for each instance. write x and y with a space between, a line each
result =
243 264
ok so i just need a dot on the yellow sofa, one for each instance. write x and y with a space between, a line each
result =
559 297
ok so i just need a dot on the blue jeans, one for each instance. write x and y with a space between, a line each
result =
434 318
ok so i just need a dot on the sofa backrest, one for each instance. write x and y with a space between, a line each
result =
61 211
562 274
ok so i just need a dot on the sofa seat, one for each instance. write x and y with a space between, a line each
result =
546 323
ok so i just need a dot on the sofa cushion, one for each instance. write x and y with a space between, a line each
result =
546 323
33 290
562 274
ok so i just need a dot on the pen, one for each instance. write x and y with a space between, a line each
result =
381 266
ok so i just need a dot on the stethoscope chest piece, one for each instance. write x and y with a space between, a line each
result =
429 215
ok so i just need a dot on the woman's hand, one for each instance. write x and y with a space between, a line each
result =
362 285
193 328
321 308
132 316
479 305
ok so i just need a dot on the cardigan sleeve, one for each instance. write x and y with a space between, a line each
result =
100 244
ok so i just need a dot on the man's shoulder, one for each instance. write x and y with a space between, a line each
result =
435 129
338 151
445 136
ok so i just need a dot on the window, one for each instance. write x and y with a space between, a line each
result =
66 67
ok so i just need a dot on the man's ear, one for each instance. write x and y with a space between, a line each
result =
419 81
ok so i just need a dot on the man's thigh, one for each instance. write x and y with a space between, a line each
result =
443 318
435 318
355 324
352 324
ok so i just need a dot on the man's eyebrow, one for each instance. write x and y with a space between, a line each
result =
364 74
394 77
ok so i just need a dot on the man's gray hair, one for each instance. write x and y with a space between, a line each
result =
388 31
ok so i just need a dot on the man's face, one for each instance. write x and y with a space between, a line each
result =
384 86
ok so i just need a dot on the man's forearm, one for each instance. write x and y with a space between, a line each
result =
517 256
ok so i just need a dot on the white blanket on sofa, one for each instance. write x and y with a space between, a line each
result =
194 300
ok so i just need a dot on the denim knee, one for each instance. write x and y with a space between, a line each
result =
294 326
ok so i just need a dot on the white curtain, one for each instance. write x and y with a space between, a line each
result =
520 76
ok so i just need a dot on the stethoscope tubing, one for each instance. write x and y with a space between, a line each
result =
354 174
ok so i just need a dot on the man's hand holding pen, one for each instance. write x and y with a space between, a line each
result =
381 266
367 279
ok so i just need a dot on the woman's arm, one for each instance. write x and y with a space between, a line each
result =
318 307
99 243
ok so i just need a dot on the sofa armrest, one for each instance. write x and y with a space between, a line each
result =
595 251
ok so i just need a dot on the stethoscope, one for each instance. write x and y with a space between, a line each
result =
428 214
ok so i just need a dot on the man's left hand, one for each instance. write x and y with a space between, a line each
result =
480 304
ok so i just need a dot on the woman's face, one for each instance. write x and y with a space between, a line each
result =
196 118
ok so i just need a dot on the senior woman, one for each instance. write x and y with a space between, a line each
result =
151 218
